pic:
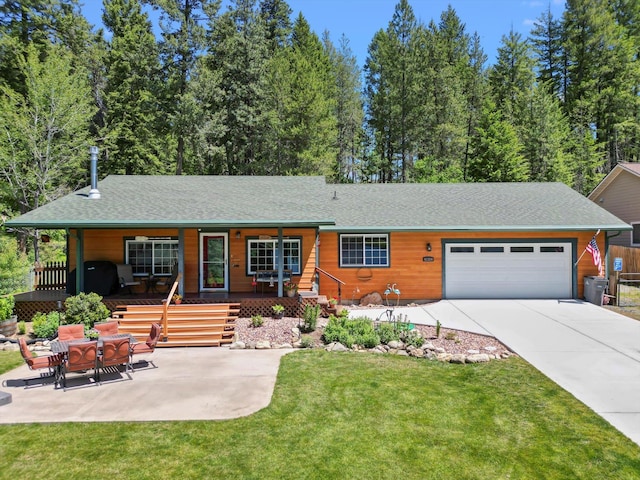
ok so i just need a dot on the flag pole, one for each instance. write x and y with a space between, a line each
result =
585 249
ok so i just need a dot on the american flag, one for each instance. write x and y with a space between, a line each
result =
593 249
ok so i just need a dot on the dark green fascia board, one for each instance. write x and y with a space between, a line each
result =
62 224
480 228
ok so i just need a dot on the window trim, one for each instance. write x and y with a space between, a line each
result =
153 241
631 242
274 241
364 263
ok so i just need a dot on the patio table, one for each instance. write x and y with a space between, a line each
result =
58 346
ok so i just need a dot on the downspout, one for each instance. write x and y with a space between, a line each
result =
606 249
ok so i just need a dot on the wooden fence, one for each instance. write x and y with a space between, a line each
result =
629 292
50 276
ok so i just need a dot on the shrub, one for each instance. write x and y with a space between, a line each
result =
6 307
310 318
358 331
387 333
85 308
278 309
22 327
45 325
412 337
306 342
257 321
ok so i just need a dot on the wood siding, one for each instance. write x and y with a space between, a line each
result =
622 198
110 245
420 280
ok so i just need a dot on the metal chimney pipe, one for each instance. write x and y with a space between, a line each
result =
94 192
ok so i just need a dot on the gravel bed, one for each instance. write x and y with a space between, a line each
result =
278 331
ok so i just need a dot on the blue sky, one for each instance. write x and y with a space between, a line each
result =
358 20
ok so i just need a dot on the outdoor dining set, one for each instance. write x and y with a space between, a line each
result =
72 352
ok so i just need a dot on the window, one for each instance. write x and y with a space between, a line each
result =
153 256
522 249
462 250
364 250
491 249
635 234
551 249
263 255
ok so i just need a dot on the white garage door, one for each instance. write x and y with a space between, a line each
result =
508 270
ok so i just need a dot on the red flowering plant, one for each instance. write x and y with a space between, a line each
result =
290 286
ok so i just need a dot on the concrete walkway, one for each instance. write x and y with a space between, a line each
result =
189 384
588 350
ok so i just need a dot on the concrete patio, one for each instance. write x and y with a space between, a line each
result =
189 384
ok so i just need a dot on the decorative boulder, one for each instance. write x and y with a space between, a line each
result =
373 298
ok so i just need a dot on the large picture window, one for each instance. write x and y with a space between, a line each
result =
366 250
263 255
152 257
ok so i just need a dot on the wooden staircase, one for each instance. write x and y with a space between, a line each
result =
186 325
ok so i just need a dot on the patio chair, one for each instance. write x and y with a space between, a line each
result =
149 345
82 356
168 281
50 362
125 276
107 328
70 332
115 352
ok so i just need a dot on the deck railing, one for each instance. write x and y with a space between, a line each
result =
50 276
320 271
166 302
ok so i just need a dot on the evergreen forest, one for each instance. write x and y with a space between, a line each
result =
243 88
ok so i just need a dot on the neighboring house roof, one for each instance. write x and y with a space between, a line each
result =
234 201
632 168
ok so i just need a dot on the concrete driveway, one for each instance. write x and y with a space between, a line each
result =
189 384
588 350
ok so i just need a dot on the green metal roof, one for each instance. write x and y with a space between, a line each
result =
267 201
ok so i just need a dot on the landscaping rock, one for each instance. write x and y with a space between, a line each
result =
237 346
396 345
284 345
428 346
402 353
263 345
458 358
478 358
373 298
416 352
336 347
473 352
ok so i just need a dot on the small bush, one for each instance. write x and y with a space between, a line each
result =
85 308
257 321
310 318
278 309
450 336
45 325
22 327
387 333
6 307
412 337
306 342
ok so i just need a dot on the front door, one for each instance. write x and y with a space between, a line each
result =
214 275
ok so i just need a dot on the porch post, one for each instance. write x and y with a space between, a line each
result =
181 260
280 262
79 261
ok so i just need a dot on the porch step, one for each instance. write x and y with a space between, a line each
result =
187 325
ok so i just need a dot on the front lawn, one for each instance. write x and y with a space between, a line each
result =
352 415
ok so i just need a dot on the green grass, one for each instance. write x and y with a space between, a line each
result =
351 416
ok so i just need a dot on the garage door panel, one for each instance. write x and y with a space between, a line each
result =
508 270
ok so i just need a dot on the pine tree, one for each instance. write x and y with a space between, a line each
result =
546 42
497 152
133 142
348 110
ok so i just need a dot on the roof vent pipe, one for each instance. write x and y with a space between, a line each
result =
94 193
